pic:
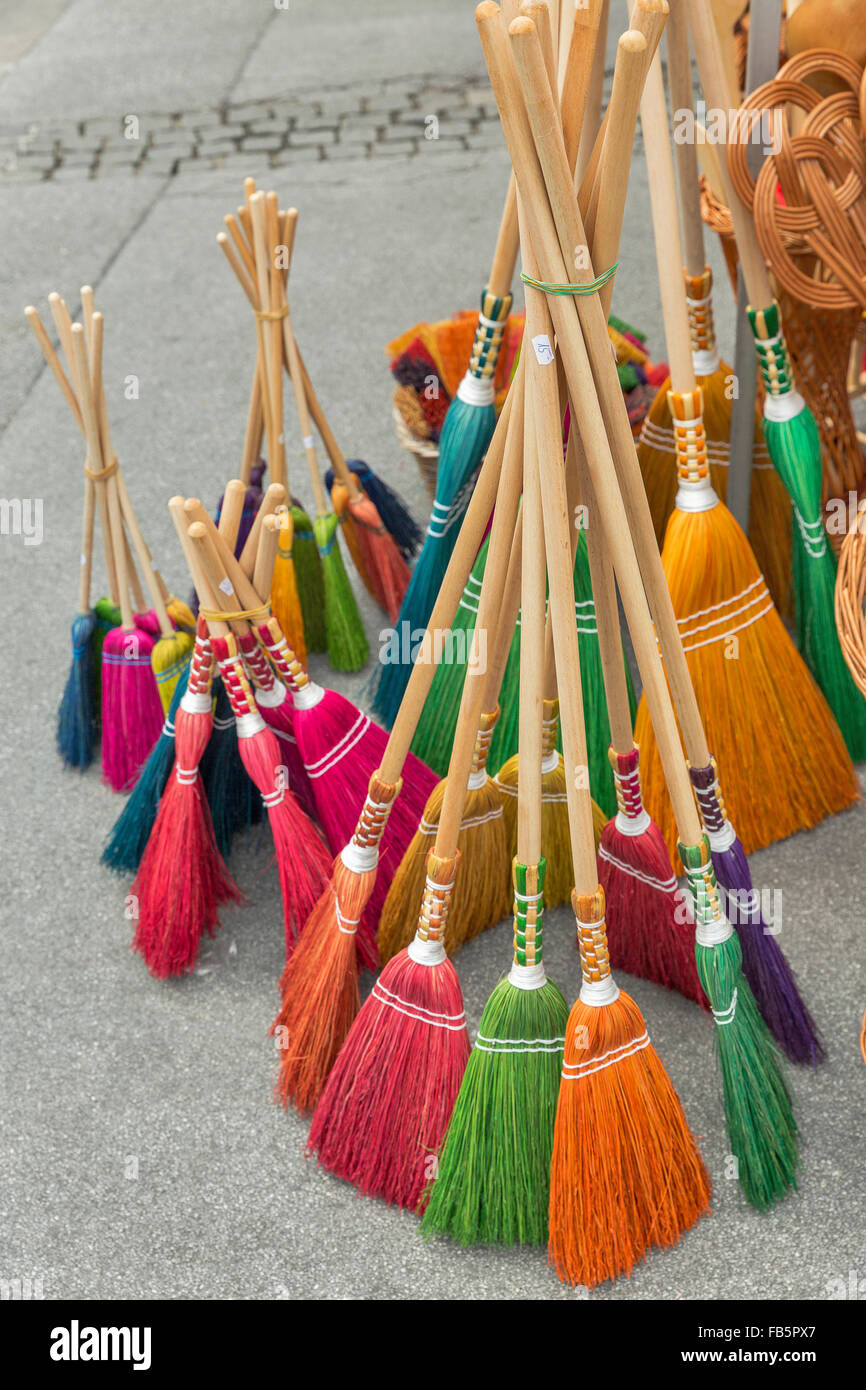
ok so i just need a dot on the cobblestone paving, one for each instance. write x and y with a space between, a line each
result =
397 118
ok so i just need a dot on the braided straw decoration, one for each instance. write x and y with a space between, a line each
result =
435 905
588 911
699 300
486 725
375 812
282 656
256 662
851 600
201 666
708 794
626 781
528 880
235 679
686 409
709 912
549 728
489 335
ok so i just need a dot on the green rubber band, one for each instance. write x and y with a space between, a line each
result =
591 286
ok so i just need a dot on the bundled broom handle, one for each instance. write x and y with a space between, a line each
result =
533 571
497 660
206 597
267 321
232 510
275 496
591 423
688 177
591 120
575 67
571 233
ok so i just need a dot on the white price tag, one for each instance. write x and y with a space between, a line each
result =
225 585
543 349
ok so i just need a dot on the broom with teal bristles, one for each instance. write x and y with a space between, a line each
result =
493 1181
792 438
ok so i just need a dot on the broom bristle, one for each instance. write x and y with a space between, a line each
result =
770 977
649 924
285 600
383 1113
481 895
274 699
320 990
492 1186
168 660
182 879
76 717
434 733
396 517
354 545
382 559
760 1121
348 648
131 831
234 801
181 614
626 1174
308 580
767 721
132 713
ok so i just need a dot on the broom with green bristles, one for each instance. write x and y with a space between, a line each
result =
792 438
492 1184
760 1119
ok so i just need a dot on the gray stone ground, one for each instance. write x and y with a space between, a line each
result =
142 1156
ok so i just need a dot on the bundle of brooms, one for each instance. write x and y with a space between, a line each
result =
127 653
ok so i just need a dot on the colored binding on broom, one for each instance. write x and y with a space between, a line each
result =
481 893
758 1112
348 648
320 982
764 965
555 834
466 433
274 700
761 708
302 860
308 578
795 448
131 831
341 748
76 717
649 924
626 1174
383 1114
182 879
492 1186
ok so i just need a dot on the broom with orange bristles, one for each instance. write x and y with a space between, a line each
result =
758 1111
770 512
320 987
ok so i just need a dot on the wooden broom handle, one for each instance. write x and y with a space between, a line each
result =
335 454
211 562
42 338
469 538
611 181
533 598
243 589
497 659
663 201
266 554
570 228
592 425
304 417
206 597
686 153
232 510
271 378
705 42
574 86
591 124
275 496
648 17
255 424
492 584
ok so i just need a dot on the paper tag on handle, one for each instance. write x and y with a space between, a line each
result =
226 586
83 560
543 349
309 441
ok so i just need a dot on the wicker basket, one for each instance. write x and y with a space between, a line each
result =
851 599
426 453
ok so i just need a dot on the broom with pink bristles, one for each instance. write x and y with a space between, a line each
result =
320 986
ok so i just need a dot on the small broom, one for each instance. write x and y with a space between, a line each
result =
794 445
302 859
760 1121
182 880
319 986
492 1185
396 517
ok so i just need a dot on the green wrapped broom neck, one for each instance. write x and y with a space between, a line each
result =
528 882
712 927
488 342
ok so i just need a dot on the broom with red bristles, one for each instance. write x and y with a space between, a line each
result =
389 1097
320 984
302 859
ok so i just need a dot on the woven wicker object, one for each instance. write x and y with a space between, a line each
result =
851 599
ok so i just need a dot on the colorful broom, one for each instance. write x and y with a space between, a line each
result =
493 1180
302 859
77 717
770 513
396 517
760 1122
793 441
320 986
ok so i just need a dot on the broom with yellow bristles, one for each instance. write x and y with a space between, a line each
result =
758 1110
770 513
